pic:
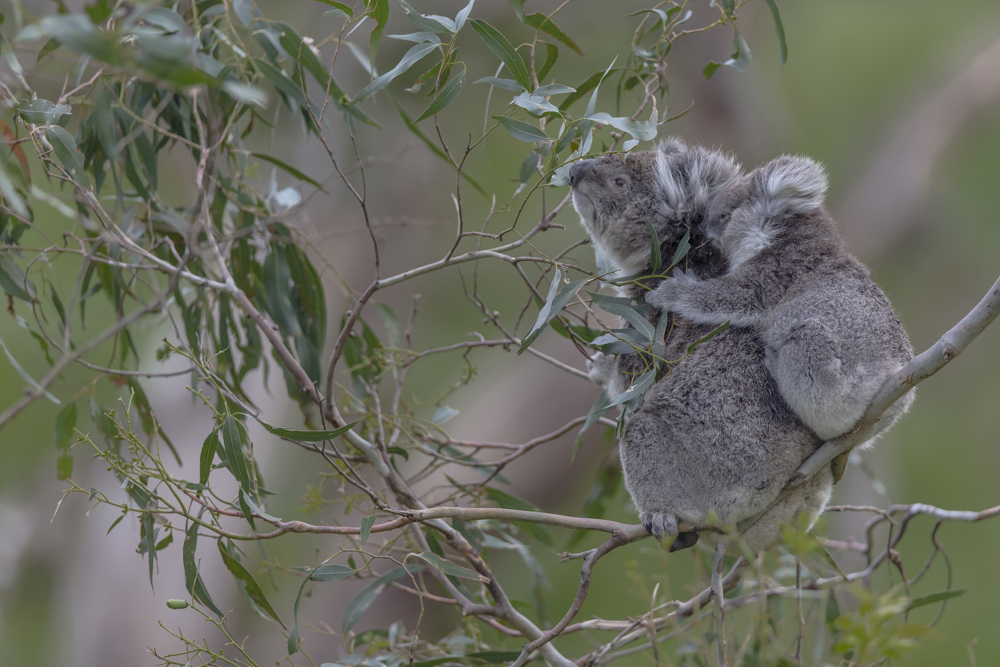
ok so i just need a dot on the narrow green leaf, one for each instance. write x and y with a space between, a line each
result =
115 523
324 573
67 152
378 10
444 414
65 422
290 169
543 23
276 276
12 279
641 130
48 48
638 388
506 84
11 194
308 436
192 578
552 89
445 97
363 599
64 467
408 60
245 93
346 9
655 260
521 130
704 339
252 587
935 597
247 507
634 318
739 61
510 501
463 15
232 440
430 23
449 568
592 82
328 573
208 449
502 48
782 46
682 249
366 527
558 297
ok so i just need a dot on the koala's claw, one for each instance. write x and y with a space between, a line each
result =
658 524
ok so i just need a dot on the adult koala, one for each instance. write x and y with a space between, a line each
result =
713 439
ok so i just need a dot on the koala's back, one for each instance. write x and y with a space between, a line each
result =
715 437
833 338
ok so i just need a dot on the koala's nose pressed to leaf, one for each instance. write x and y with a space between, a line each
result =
579 170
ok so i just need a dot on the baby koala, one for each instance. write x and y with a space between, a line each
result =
830 335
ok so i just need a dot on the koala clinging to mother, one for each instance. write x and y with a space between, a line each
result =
714 439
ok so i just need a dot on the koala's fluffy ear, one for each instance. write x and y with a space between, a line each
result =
710 173
789 185
692 177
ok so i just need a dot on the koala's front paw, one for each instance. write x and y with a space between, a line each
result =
669 294
601 368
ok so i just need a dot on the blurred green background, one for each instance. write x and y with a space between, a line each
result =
899 99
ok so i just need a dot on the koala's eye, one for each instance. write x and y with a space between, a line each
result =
619 182
724 217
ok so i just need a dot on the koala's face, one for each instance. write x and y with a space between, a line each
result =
614 198
672 187
718 223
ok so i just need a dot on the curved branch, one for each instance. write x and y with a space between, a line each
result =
924 365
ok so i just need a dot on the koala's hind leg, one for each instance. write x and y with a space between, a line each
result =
654 477
807 367
810 498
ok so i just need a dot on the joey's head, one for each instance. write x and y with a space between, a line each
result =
758 208
672 186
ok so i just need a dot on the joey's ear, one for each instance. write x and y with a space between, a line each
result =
671 146
710 173
671 154
789 186
693 177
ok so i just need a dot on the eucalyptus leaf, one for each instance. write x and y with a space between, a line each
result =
447 95
506 84
42 111
363 599
449 568
502 48
253 589
558 297
521 130
412 56
306 435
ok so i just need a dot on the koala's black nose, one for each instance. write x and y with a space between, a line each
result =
579 170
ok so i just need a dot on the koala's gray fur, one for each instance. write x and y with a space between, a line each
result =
713 438
830 334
